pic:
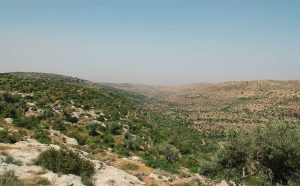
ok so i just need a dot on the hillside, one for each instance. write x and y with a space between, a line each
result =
41 111
252 127
58 130
215 107
150 91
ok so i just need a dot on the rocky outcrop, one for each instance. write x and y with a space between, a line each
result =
8 120
26 151
110 176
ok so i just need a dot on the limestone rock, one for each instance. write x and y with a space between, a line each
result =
71 141
109 175
8 120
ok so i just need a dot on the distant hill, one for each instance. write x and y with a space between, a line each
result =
216 106
150 91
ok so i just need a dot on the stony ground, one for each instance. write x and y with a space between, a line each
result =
24 152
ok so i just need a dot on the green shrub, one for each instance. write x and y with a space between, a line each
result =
28 123
261 178
122 150
60 127
108 140
170 152
159 163
9 98
41 135
115 128
92 127
272 148
6 137
48 113
93 140
71 119
10 160
132 142
194 170
79 137
10 111
40 181
86 180
9 179
189 161
66 162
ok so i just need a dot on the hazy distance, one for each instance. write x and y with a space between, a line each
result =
159 42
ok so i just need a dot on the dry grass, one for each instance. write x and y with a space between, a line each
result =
128 166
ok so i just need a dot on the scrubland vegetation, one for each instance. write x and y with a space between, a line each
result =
66 162
9 179
100 119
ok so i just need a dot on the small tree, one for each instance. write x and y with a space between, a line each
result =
8 98
132 142
71 119
65 161
170 152
272 148
115 128
92 127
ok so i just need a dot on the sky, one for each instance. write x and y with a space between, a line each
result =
158 42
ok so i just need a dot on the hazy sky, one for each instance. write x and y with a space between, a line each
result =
152 41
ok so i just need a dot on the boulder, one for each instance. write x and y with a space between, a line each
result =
71 141
108 175
135 158
8 120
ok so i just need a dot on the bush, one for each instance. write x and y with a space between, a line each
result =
162 164
65 161
86 180
6 137
10 112
170 152
272 148
71 119
122 150
10 160
9 179
41 135
115 128
132 142
9 99
79 137
60 127
92 127
28 123
40 181
109 140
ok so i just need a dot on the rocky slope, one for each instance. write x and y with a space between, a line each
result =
25 152
128 144
135 141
